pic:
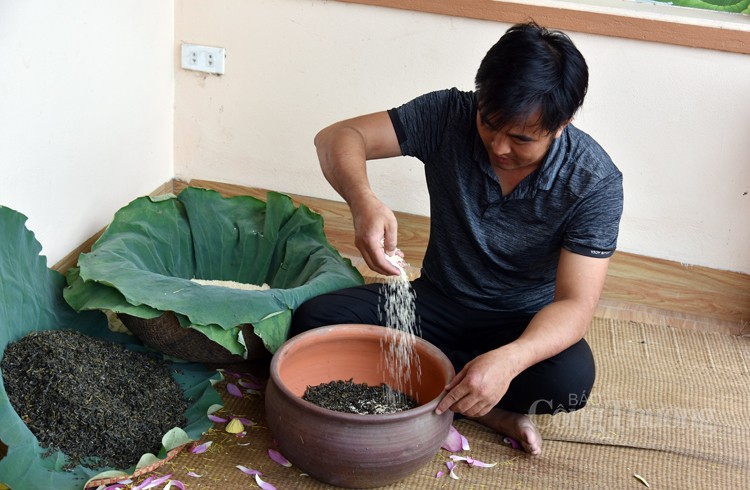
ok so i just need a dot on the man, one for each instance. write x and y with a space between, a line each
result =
525 210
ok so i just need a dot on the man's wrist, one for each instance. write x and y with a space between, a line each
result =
517 355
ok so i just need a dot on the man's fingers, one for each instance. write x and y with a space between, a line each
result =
445 404
380 264
455 381
454 395
375 257
372 252
477 410
390 237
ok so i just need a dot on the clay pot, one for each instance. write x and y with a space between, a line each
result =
353 450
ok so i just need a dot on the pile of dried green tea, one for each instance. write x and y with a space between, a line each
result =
99 403
361 398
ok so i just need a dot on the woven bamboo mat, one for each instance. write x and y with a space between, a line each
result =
668 405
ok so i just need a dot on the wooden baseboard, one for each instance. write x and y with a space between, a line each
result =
634 279
668 285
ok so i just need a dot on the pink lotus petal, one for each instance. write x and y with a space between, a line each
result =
176 484
245 422
194 474
248 471
158 481
216 418
234 390
202 448
279 458
244 444
472 462
241 434
465 443
262 484
512 442
143 484
480 464
453 441
232 373
439 474
255 385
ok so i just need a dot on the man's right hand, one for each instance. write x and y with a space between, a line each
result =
344 148
375 233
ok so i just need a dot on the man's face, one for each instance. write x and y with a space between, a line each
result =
521 145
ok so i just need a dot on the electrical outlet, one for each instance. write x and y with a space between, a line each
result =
203 58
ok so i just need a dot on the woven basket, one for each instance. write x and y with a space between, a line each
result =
165 334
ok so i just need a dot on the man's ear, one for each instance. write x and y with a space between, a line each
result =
561 128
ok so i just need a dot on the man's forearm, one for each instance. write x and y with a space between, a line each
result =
566 320
555 328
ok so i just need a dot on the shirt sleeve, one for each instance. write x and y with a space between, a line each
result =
420 124
594 227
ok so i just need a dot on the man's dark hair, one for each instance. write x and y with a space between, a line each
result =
531 68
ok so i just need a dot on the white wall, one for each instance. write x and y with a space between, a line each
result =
93 112
674 119
86 119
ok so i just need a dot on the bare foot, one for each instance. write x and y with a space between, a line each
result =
515 425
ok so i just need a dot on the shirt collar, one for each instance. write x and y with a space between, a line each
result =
553 162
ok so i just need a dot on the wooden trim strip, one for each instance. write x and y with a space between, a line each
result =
604 24
71 259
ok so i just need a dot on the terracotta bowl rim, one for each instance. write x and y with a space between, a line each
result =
344 416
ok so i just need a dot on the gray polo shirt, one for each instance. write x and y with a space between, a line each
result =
500 253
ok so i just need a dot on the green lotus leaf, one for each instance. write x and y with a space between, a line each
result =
31 299
144 262
739 6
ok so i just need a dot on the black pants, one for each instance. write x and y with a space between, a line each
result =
559 384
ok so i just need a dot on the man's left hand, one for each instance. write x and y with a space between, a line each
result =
479 386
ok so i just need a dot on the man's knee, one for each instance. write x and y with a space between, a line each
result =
352 305
560 384
305 317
